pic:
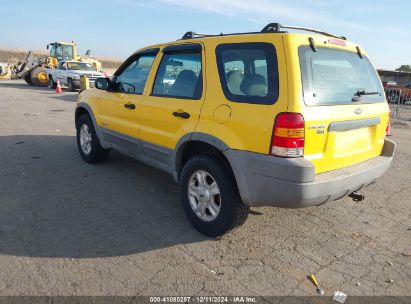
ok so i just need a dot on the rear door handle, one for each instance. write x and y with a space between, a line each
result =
130 106
183 115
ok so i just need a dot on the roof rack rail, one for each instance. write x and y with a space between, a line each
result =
191 35
269 28
276 27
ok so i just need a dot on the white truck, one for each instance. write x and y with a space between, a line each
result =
69 72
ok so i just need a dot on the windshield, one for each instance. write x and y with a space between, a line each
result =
61 51
80 66
332 76
68 52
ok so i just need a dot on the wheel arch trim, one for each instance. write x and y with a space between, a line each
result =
176 159
84 106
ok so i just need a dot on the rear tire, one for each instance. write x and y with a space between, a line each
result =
215 214
39 77
27 79
88 143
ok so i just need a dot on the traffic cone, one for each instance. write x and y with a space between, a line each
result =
58 88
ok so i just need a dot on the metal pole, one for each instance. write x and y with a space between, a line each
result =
397 107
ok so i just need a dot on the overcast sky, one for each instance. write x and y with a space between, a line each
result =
116 28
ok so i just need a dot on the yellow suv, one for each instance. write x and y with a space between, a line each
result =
267 118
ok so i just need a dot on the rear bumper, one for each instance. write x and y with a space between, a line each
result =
291 183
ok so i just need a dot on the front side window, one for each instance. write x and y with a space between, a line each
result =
57 52
53 50
248 72
134 77
179 75
332 76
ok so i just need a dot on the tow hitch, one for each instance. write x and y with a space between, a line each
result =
356 197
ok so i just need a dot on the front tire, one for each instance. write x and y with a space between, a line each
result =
210 197
70 85
39 77
52 83
27 79
88 143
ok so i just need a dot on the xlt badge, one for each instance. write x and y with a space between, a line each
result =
319 128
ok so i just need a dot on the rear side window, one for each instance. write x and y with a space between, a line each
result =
179 75
248 72
332 76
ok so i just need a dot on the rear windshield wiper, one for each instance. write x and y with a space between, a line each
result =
358 94
361 93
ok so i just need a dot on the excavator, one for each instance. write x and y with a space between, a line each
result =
34 69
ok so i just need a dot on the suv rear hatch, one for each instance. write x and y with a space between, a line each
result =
344 107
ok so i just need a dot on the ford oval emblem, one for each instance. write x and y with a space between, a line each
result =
357 111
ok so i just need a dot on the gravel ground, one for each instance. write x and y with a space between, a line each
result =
69 228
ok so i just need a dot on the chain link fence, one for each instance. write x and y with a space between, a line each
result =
398 99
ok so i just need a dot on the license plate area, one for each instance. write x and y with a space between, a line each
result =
352 142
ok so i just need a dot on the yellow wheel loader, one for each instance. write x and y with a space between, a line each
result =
34 70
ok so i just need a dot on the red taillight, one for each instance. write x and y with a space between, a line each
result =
388 130
288 135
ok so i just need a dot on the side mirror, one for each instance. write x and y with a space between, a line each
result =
102 83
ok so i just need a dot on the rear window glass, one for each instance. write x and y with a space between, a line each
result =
248 72
332 76
179 75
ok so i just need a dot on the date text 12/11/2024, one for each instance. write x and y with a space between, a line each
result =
206 299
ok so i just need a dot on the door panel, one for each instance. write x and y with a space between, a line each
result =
119 107
116 117
173 108
60 71
160 126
